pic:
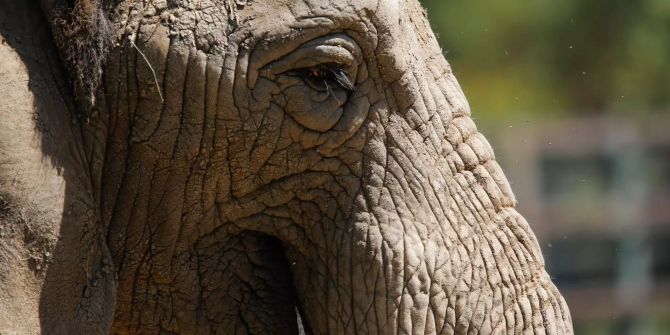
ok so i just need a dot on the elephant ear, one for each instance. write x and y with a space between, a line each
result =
82 33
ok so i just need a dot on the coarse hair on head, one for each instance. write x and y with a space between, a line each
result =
83 34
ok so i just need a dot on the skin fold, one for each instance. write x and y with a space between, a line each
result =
219 167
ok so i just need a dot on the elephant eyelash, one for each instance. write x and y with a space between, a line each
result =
328 75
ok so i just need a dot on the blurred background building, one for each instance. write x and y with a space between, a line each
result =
574 96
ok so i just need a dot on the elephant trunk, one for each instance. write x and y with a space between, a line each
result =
432 243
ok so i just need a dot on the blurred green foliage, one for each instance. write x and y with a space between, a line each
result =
521 58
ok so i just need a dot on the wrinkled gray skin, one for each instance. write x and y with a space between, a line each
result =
208 185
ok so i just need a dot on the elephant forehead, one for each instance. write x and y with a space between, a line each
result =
273 15
275 9
397 26
396 31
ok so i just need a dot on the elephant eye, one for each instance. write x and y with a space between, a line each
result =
325 78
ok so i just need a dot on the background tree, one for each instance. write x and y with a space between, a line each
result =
519 57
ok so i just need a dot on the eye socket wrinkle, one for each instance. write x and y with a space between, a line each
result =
325 76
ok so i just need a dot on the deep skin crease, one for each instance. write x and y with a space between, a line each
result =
247 162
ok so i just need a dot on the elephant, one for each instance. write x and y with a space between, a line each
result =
251 167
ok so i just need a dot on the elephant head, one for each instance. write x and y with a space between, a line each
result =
253 163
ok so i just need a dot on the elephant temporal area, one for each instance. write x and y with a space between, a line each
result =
252 162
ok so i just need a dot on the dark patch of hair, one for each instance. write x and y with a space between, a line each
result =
83 34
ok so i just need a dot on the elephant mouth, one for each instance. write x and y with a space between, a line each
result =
282 293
